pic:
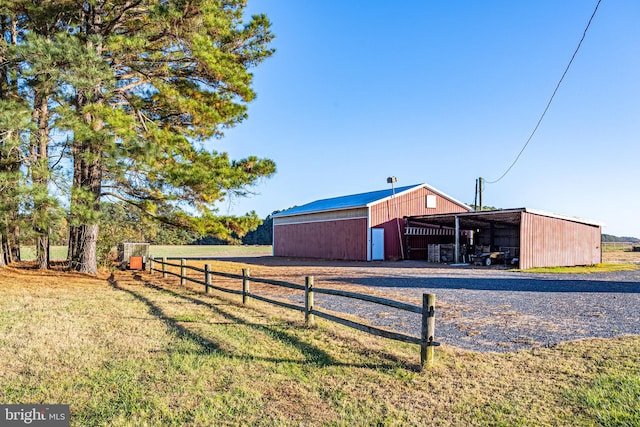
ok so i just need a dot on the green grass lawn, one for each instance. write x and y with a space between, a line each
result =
28 253
136 350
588 269
209 250
60 252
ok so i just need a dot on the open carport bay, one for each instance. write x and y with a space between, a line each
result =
529 237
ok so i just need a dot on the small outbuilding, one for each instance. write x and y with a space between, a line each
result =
527 237
362 227
133 255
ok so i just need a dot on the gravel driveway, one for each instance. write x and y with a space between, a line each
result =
487 309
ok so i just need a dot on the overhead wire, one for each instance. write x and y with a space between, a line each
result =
584 34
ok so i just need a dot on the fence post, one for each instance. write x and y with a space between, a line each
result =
150 265
183 272
207 277
428 330
309 318
245 285
164 267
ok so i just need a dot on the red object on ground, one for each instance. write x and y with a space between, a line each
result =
135 263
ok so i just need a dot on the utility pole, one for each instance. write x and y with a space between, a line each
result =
475 197
480 192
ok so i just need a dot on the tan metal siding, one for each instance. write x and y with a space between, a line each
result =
383 215
342 239
549 242
322 216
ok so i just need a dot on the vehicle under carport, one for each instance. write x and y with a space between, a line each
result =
532 238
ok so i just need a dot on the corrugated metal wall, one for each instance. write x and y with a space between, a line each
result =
383 215
341 239
323 216
547 242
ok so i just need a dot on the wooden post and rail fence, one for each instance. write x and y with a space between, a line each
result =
621 246
427 310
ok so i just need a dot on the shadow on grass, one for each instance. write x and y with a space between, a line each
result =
312 354
207 346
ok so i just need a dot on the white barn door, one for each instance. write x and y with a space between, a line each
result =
377 244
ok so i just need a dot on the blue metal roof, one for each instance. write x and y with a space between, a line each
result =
344 202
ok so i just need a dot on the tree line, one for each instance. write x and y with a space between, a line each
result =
262 235
611 238
115 101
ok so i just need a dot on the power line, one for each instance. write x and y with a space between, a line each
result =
584 34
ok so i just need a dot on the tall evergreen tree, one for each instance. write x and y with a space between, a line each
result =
139 86
41 87
13 118
175 74
37 58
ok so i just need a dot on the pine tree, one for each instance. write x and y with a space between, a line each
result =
13 118
178 74
35 61
138 86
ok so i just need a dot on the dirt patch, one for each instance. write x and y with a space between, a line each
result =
23 274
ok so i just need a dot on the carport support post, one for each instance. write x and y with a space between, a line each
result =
428 330
183 272
207 277
309 318
245 284
164 267
457 245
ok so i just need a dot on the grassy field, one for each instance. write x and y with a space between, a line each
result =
60 252
620 260
28 253
599 268
132 349
209 250
612 260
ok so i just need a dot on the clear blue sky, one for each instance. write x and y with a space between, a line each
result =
444 92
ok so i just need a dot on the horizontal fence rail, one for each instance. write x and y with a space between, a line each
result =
369 298
427 310
619 246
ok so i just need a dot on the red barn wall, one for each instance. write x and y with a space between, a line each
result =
383 215
337 239
550 242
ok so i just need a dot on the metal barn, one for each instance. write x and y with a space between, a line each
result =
362 227
528 237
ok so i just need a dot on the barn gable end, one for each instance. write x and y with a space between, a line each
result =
340 228
423 200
